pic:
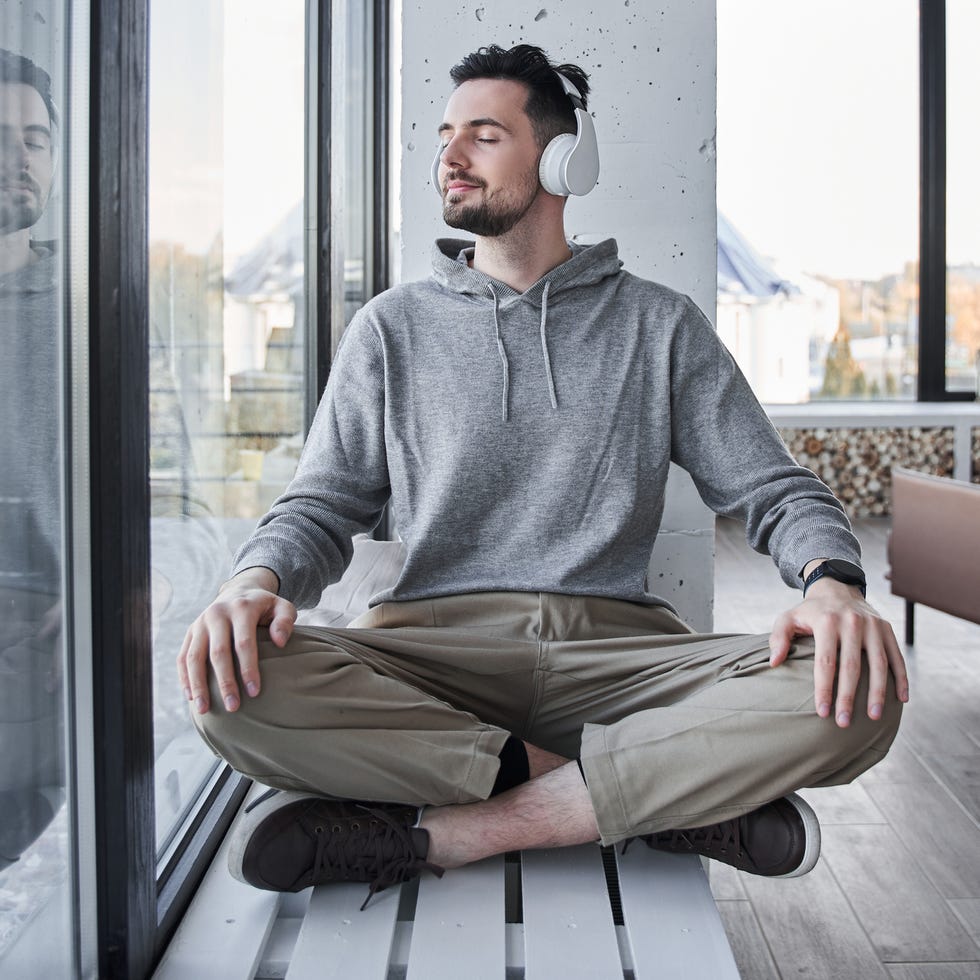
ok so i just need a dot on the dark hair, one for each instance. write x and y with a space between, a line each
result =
548 106
16 68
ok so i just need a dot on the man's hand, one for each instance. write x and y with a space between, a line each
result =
842 625
228 625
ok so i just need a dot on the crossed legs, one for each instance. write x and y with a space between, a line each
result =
679 731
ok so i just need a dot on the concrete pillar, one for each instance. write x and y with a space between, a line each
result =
653 100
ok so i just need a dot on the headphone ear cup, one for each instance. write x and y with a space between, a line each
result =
435 172
552 164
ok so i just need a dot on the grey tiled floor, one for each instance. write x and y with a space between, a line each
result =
896 894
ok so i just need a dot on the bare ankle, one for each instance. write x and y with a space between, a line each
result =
540 761
553 810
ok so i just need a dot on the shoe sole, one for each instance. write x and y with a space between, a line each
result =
246 824
811 828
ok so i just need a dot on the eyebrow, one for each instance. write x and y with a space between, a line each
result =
32 128
476 124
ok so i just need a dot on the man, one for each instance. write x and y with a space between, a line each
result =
520 409
30 526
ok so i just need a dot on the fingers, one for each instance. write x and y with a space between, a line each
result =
874 646
224 636
825 640
842 641
851 641
283 619
842 638
781 639
896 664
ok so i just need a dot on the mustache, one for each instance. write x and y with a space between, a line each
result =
22 180
465 177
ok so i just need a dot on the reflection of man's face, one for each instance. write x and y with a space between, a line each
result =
26 159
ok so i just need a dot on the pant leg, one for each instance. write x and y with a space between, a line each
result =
31 722
411 714
684 731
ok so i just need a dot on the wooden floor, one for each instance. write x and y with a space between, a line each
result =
896 894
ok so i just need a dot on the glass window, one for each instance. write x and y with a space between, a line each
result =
227 319
36 927
818 196
962 199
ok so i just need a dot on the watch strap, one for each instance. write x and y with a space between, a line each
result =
827 569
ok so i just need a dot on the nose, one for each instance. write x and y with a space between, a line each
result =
16 155
452 156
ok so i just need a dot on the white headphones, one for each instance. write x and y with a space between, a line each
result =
570 163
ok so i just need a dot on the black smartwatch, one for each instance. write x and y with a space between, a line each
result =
843 571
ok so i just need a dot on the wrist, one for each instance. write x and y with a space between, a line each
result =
827 587
256 577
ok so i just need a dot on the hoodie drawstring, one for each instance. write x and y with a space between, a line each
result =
505 363
505 398
544 346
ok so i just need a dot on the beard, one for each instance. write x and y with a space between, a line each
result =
497 213
20 209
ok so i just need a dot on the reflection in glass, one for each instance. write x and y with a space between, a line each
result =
818 192
34 844
227 319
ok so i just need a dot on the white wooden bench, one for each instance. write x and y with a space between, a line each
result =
583 912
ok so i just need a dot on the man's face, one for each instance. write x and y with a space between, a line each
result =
26 158
488 172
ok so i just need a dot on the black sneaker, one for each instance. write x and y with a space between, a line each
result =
287 841
779 840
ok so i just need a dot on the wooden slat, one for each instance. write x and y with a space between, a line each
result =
568 925
459 925
673 924
339 942
224 931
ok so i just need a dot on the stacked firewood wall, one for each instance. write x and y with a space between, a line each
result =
856 463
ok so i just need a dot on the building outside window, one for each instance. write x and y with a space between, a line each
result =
818 130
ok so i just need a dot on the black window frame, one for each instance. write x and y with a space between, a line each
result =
933 326
139 904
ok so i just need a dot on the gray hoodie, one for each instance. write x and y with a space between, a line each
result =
30 447
524 439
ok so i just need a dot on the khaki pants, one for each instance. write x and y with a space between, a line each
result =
415 700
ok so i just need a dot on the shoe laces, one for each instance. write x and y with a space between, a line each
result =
380 851
715 837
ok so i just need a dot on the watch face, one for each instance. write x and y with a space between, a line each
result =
845 571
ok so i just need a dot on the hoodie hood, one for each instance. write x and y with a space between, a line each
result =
589 264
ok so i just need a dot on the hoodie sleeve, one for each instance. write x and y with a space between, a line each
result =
722 436
341 484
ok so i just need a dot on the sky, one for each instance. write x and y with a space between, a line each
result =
227 123
818 131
